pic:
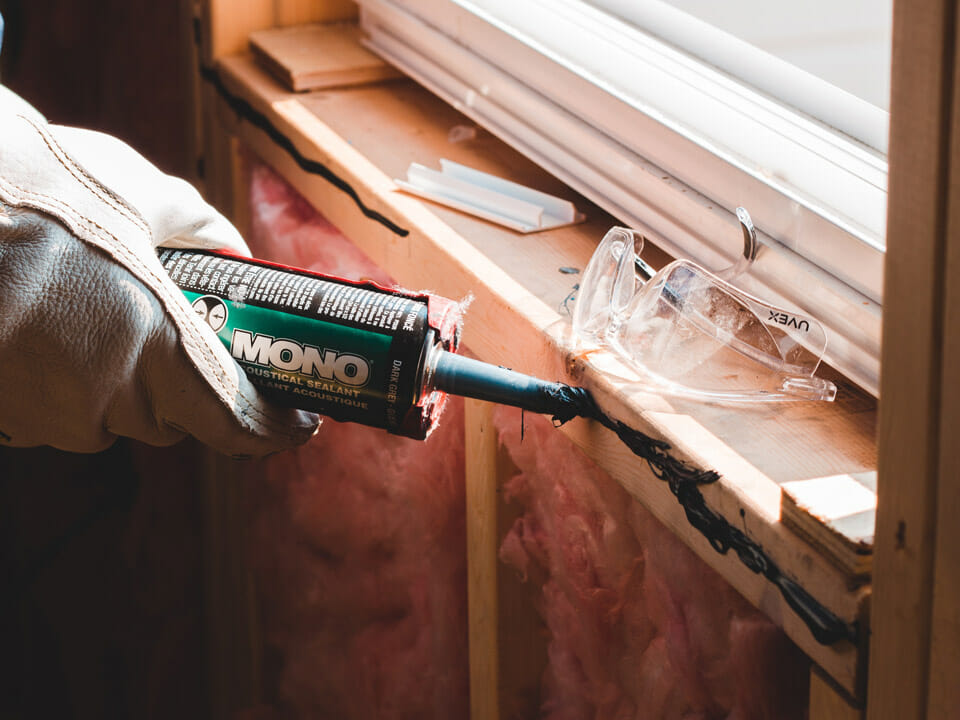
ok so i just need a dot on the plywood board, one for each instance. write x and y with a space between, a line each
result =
312 57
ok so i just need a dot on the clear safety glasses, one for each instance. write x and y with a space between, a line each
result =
689 332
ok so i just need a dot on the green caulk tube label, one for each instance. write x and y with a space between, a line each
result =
351 352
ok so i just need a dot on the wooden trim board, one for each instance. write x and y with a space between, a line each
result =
368 135
313 57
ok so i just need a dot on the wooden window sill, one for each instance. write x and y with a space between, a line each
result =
369 135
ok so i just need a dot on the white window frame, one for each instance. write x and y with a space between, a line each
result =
672 150
778 78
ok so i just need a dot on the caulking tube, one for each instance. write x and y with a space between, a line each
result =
353 351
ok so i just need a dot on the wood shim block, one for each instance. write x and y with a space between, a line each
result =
312 57
836 514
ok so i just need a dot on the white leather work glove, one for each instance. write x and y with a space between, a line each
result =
95 340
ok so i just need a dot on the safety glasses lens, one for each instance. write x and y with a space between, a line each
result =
687 326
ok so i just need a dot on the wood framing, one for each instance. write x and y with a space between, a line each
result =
232 629
367 136
481 494
508 644
915 645
827 704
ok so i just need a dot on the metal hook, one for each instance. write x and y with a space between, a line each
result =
751 247
750 244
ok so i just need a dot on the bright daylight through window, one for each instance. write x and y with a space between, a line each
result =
670 115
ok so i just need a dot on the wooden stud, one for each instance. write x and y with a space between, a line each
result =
943 699
298 12
218 157
481 494
828 704
241 215
232 628
227 25
507 637
189 14
234 649
910 651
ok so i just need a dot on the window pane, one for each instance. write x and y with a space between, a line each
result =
827 58
845 42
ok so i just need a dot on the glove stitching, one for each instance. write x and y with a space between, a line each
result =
188 332
212 367
90 182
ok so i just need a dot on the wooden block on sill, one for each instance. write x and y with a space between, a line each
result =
836 515
313 57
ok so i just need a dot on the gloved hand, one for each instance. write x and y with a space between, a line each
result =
95 340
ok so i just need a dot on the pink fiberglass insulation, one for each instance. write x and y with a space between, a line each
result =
358 545
639 626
